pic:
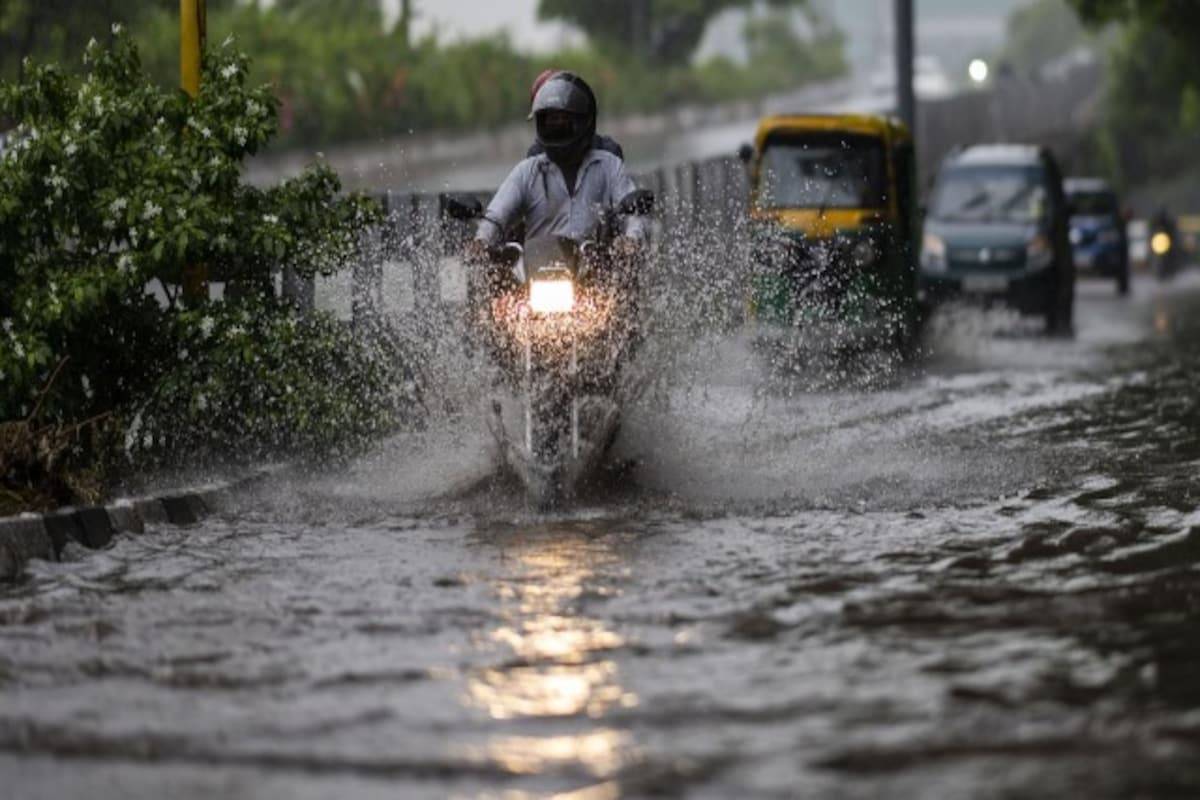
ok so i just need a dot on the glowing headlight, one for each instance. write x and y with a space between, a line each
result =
933 253
1160 243
552 297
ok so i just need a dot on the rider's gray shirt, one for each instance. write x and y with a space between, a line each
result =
536 192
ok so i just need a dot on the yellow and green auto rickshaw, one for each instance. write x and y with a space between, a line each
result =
833 202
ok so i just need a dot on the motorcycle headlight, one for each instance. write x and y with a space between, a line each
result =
1038 253
933 253
1160 243
556 296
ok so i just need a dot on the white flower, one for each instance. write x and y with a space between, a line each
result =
19 350
236 330
133 237
240 135
270 219
118 205
92 43
228 41
151 211
229 70
201 402
7 325
125 264
182 212
206 326
87 386
253 108
206 133
116 29
183 354
71 149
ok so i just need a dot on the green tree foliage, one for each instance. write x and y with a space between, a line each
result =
1041 32
654 31
342 75
1153 109
114 184
1181 18
57 30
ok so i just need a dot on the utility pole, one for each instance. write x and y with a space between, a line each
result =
406 18
193 23
906 99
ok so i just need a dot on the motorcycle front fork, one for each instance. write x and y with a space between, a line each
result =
533 395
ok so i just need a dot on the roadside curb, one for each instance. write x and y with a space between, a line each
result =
29 536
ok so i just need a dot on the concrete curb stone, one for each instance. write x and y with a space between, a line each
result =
45 536
21 539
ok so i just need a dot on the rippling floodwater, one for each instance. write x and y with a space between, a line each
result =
979 581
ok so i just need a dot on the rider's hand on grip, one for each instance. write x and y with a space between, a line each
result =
476 253
625 248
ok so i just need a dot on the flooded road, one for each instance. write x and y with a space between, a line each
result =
981 579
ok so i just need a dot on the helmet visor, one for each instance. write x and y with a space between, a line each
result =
560 127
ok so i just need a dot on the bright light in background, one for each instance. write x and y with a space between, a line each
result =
978 70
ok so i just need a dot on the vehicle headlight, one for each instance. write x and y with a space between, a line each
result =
1038 253
1160 243
933 253
1077 236
556 296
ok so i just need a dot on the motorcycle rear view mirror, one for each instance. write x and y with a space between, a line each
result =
462 207
639 202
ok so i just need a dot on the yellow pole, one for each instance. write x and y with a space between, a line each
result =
191 43
192 24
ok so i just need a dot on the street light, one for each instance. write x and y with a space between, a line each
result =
978 70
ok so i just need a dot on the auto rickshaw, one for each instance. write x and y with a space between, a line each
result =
834 208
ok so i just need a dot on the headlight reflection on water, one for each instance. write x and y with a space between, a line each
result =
550 663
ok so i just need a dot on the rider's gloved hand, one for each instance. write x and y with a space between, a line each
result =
626 248
476 252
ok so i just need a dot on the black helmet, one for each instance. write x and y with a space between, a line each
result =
565 112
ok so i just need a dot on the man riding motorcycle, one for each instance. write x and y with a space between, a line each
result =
570 188
556 306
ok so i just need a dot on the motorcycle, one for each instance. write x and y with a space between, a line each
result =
1165 253
559 318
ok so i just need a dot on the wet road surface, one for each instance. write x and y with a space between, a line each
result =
979 580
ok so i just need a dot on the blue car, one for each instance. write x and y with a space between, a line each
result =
1098 239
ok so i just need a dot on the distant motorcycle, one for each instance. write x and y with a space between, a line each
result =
1166 255
560 319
